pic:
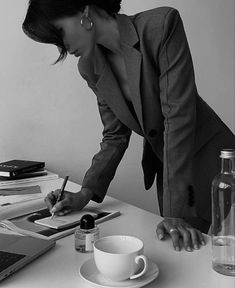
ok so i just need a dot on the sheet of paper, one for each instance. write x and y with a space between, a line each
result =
20 190
20 194
15 199
22 207
4 230
58 222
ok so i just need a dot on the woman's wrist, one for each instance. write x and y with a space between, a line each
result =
81 198
87 193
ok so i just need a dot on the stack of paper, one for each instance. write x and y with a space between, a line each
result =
14 183
17 195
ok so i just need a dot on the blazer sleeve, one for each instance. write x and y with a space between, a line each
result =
115 141
178 101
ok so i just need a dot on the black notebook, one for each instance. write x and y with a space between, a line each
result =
16 167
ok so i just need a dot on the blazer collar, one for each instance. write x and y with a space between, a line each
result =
127 30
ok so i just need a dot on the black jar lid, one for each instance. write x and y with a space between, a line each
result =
87 222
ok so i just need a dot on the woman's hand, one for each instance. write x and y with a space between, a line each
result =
69 202
178 229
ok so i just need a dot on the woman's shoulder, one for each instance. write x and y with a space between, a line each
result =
158 15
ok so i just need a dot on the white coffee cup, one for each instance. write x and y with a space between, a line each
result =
119 257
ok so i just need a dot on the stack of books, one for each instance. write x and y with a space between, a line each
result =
23 171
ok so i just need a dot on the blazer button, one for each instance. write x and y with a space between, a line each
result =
152 133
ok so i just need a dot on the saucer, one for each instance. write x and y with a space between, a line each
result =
90 274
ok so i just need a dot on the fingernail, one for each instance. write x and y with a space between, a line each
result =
53 210
160 236
189 249
196 247
203 243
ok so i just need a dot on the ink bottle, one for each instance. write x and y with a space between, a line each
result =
86 234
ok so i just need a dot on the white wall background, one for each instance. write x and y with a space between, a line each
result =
48 113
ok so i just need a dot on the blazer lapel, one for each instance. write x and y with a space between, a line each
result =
108 87
133 60
133 65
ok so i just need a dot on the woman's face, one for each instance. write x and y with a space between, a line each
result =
77 40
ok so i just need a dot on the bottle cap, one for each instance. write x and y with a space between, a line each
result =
87 222
227 153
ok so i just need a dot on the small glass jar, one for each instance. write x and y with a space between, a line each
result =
86 234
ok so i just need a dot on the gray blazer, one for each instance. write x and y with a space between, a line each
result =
176 124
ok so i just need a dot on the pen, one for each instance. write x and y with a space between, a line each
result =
61 193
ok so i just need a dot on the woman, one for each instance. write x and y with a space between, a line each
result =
141 71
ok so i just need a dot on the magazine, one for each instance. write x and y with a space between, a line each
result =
26 216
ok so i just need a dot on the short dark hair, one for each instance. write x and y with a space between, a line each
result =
37 23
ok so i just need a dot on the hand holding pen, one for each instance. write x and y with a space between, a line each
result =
63 203
60 195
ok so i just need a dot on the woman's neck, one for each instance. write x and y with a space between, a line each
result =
107 33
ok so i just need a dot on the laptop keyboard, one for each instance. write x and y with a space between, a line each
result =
7 259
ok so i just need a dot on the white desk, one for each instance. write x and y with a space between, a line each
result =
59 267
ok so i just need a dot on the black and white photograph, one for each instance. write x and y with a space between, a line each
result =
127 107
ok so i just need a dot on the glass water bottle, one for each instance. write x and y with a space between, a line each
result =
223 215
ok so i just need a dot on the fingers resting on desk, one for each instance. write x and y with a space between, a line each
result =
178 229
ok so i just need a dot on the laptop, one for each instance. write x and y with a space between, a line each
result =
16 251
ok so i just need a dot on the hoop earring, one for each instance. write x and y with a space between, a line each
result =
86 22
